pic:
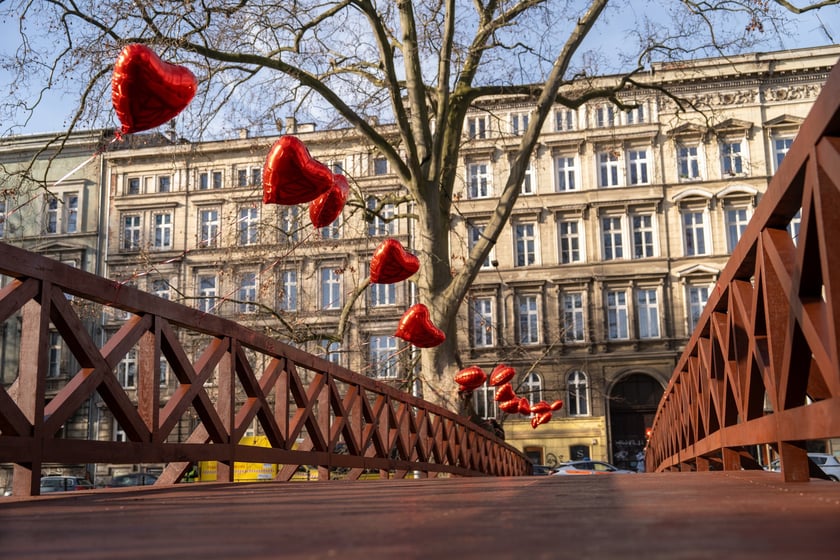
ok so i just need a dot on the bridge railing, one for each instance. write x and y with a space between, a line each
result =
228 378
763 364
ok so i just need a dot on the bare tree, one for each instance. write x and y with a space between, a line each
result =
419 64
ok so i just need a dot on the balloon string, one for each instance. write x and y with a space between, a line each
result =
97 153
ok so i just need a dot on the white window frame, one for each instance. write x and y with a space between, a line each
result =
735 219
477 127
609 169
247 291
483 322
3 217
564 120
647 311
529 181
734 153
162 288
479 180
127 370
288 294
618 314
532 385
526 243
696 297
643 235
780 145
574 316
570 241
383 222
636 115
639 166
612 237
484 399
519 122
577 393
209 227
690 166
474 232
383 357
693 232
249 225
131 233
206 289
383 295
528 318
565 173
604 116
329 285
163 231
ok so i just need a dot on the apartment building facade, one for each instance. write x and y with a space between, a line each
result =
624 221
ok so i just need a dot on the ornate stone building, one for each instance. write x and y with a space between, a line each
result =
624 221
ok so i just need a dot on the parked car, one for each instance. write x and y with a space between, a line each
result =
541 470
587 466
50 484
826 462
132 479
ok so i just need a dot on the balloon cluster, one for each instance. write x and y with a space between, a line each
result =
473 377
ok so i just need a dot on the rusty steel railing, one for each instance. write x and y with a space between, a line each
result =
762 366
254 377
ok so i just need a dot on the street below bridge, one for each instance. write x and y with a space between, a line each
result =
706 515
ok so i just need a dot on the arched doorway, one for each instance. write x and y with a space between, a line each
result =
632 405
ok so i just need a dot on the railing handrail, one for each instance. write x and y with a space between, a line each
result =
765 312
383 428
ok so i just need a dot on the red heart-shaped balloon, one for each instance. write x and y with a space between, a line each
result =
540 408
541 418
511 406
471 378
391 263
146 91
524 406
504 393
416 327
556 405
291 175
501 374
326 208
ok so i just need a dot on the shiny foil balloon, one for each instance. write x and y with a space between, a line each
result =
146 91
325 209
556 405
291 175
511 406
539 419
524 406
540 408
471 378
501 374
391 263
416 327
504 393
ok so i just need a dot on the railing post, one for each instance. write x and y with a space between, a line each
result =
793 459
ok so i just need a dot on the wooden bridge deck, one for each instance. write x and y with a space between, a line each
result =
745 514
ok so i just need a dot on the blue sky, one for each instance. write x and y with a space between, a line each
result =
53 114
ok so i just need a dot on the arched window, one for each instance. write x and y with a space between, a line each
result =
577 399
532 387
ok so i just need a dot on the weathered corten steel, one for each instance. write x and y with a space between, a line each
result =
769 332
255 377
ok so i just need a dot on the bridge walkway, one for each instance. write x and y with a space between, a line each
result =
701 515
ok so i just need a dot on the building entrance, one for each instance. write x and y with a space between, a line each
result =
632 405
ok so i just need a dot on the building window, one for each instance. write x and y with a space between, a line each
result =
478 178
532 387
247 295
570 241
332 230
289 224
688 163
54 365
337 167
697 298
636 115
793 226
71 212
643 240
577 399
605 116
131 233
519 123
694 233
127 370
208 228
474 233
564 120
162 289
528 319
249 222
525 244
383 295
613 238
736 222
529 181
2 218
380 166
164 184
329 350
483 322
163 231
383 357
731 158
566 173
330 288
484 399
781 146
477 128
287 297
573 317
608 169
206 293
249 177
133 186
51 222
617 315
382 218
637 161
647 309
